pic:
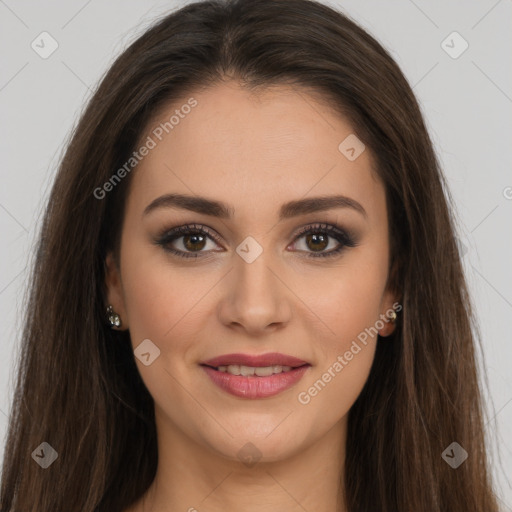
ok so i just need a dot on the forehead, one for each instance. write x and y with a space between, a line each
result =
251 150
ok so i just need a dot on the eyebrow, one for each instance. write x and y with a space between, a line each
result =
221 210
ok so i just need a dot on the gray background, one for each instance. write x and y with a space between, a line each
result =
467 103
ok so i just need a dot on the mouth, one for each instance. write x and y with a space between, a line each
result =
248 376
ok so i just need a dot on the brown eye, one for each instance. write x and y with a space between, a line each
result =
317 242
194 242
316 239
188 241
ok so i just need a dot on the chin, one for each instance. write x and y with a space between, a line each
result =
250 445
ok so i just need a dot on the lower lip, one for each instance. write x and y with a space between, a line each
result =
253 386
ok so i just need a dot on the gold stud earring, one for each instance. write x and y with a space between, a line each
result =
392 317
113 318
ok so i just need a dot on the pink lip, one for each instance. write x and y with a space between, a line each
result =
270 359
254 386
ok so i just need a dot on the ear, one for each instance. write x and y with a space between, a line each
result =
115 295
390 303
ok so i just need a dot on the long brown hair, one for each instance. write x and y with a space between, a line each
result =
78 388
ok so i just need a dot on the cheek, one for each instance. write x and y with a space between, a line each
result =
158 294
163 305
166 303
346 300
146 296
346 358
350 307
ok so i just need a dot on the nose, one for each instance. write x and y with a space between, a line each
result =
254 299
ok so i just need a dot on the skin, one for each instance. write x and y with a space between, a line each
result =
253 152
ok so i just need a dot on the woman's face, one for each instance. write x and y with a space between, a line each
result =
252 283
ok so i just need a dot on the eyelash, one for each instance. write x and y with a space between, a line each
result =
168 236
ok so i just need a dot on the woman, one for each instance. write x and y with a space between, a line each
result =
247 293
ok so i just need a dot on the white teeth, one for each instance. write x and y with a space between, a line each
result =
264 371
246 370
260 371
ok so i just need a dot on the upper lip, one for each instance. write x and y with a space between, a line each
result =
269 359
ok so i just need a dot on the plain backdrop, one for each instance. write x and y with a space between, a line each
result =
466 100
